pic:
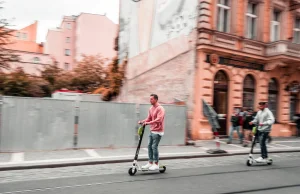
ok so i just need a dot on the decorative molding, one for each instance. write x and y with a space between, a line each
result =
237 63
273 65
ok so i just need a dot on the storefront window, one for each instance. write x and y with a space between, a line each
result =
249 92
273 97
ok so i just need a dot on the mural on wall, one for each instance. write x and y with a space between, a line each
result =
172 19
149 23
128 42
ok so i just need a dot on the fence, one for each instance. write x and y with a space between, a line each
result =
51 124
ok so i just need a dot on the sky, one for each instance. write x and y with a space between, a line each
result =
49 13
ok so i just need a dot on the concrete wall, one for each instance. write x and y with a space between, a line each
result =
50 124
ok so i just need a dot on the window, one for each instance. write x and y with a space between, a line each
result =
66 66
67 52
24 36
18 35
223 15
297 31
68 26
36 60
251 20
275 26
68 40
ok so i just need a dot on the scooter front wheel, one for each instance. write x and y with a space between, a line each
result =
132 172
249 162
270 162
163 170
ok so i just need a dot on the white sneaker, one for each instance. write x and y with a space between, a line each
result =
148 165
260 160
154 167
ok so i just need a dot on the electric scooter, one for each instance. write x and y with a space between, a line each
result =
250 159
135 166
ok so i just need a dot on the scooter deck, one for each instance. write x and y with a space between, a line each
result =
145 170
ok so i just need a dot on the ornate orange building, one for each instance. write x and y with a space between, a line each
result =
248 51
239 52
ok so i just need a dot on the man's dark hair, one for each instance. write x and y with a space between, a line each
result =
262 103
155 96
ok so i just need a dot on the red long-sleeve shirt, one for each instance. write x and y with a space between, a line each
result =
156 118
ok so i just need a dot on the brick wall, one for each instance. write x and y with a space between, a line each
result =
169 80
172 79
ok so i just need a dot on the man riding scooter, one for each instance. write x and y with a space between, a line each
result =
264 119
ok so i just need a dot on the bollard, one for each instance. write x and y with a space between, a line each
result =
75 140
218 149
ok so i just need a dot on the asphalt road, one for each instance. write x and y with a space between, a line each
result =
205 175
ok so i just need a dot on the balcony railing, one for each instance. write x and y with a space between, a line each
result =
283 48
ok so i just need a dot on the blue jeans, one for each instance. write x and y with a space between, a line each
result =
154 140
262 141
237 129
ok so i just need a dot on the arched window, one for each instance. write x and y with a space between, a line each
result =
273 96
220 101
249 92
221 79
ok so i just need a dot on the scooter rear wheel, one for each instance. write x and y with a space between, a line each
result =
130 171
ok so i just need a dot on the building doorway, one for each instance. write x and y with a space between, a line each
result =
220 102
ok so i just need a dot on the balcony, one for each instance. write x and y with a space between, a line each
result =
283 48
237 43
233 42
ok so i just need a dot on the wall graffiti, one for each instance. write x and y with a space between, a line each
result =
147 24
172 19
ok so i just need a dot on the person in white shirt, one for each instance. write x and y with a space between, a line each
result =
264 120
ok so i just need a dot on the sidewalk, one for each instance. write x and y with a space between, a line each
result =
51 159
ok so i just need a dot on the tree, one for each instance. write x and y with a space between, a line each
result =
17 83
64 80
38 87
2 81
115 75
56 78
51 72
6 56
89 73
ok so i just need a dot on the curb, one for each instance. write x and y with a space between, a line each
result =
80 163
